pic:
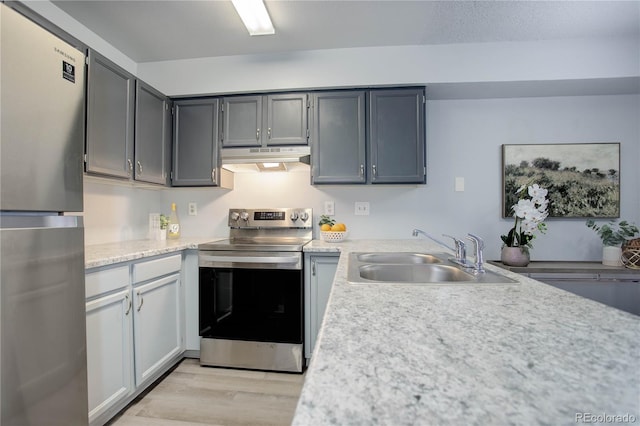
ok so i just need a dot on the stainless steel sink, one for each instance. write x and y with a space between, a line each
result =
398 258
415 268
413 273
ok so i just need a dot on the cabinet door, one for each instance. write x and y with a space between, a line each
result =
109 351
196 151
322 270
286 119
110 104
242 121
157 325
152 134
338 139
397 136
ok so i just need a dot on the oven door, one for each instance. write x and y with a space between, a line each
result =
252 296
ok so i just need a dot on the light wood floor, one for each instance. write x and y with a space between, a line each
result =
192 395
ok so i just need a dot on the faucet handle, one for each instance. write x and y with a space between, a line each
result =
479 242
479 246
461 248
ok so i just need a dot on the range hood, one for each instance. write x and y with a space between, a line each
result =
281 154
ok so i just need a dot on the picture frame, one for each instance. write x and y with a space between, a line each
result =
583 179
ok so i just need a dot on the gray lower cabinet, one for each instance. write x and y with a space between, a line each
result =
196 146
152 135
110 115
265 120
320 270
375 136
135 323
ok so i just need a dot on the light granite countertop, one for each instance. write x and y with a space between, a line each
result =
96 255
505 354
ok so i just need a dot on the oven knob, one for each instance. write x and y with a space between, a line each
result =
244 216
235 216
294 216
304 216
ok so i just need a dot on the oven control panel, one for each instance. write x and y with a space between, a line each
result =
271 218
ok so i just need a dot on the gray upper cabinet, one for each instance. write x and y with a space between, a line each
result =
397 136
375 136
110 129
196 148
152 135
265 120
338 149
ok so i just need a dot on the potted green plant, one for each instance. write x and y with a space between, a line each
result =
613 234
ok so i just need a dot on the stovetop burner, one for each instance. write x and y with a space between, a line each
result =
257 244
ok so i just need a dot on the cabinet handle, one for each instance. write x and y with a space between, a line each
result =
128 299
213 175
141 302
257 134
374 171
361 170
313 268
269 133
130 163
139 167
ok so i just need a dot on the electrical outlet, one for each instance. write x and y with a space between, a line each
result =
362 208
329 208
459 184
193 209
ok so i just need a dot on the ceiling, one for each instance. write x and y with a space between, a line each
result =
151 30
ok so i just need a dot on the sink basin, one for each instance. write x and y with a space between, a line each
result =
415 268
413 273
398 258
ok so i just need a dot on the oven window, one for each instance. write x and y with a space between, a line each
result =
251 304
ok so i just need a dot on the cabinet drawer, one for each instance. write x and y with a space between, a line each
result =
150 269
106 280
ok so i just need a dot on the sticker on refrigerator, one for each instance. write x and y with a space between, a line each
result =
68 71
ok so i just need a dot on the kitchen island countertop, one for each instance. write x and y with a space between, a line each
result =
110 253
522 354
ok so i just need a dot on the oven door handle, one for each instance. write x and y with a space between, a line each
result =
251 259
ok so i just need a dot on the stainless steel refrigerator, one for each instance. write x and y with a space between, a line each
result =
43 374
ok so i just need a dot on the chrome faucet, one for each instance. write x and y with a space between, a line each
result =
460 250
479 246
418 231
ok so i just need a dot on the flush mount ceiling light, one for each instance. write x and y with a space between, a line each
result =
255 17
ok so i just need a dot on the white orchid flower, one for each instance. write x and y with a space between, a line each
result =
536 192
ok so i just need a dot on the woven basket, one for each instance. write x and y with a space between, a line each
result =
631 254
333 236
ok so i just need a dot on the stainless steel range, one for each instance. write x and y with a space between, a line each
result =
251 291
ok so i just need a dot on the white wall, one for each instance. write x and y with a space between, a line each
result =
463 136
463 139
480 62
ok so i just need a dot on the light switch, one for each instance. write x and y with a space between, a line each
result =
459 184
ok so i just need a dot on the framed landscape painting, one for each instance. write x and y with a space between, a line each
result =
583 180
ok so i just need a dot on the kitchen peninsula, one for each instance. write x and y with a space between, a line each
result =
524 353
